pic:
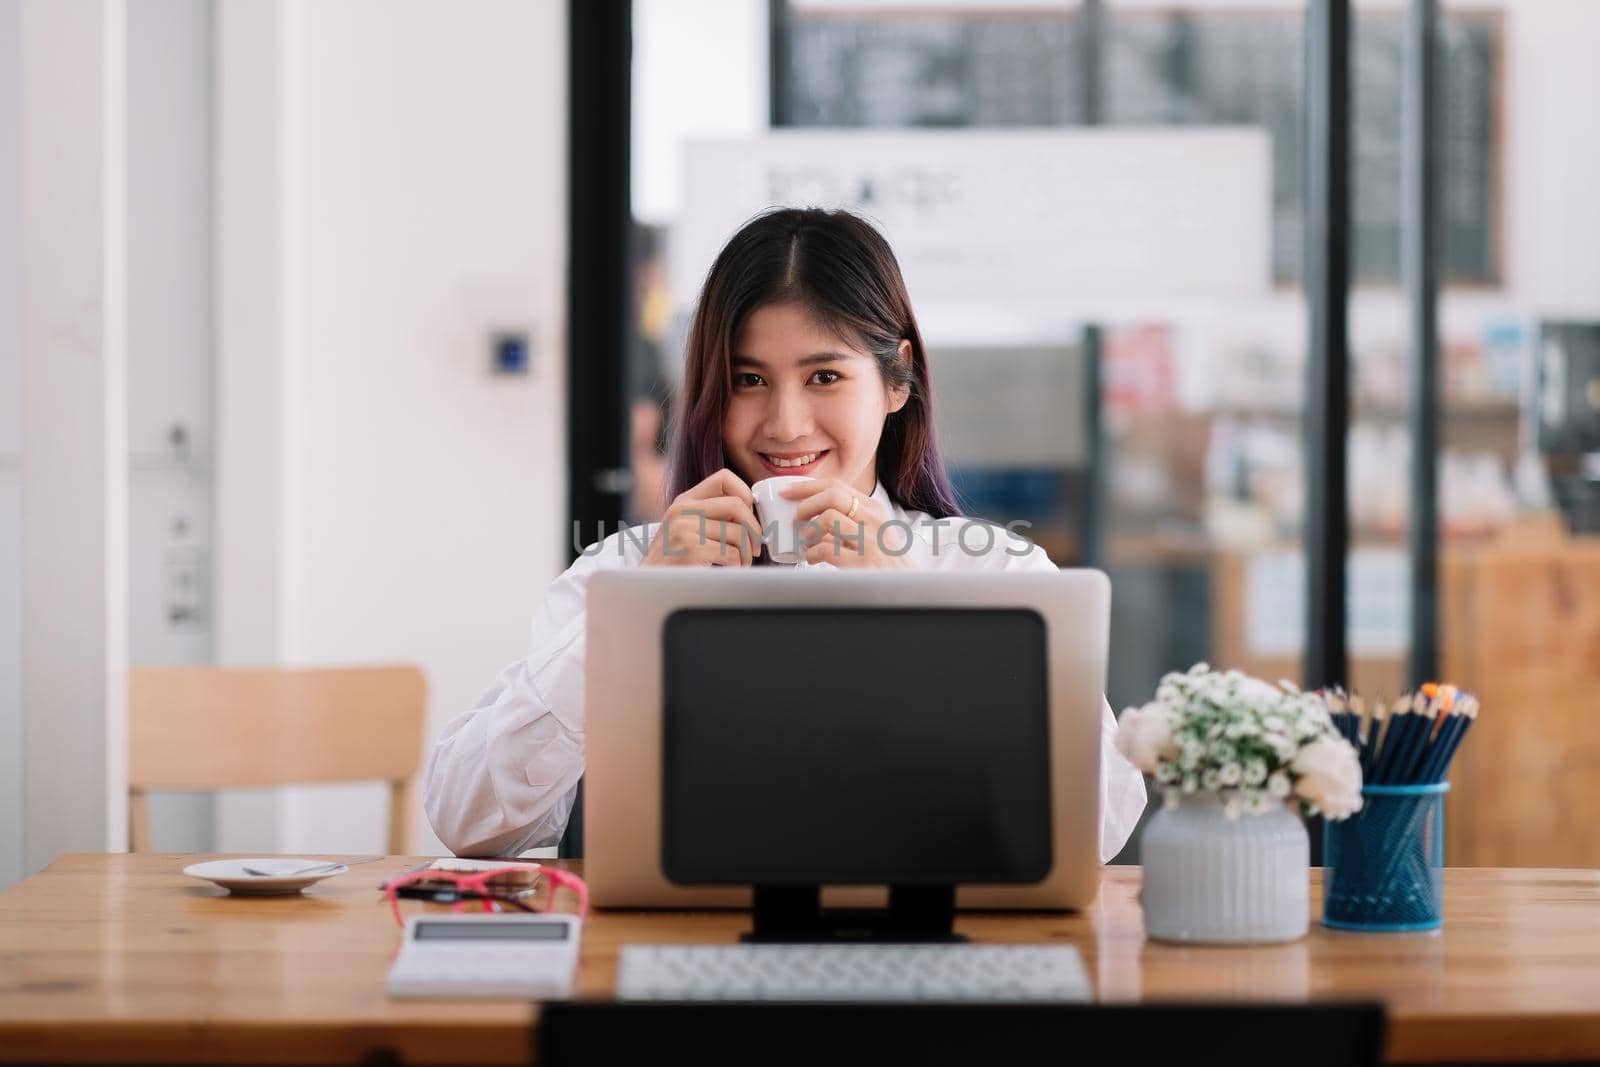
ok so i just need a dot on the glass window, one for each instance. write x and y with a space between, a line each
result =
1158 432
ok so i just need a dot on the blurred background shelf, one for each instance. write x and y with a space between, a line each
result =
1521 629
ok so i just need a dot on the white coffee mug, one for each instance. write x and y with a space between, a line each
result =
773 510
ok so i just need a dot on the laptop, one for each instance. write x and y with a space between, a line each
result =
627 614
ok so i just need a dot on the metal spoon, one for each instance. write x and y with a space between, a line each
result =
292 874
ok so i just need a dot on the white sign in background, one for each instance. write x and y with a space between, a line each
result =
1377 603
1077 217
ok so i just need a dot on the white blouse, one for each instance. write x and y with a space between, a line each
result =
503 776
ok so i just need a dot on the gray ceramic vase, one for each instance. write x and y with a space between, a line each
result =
1209 879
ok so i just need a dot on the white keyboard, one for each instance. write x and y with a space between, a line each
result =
875 972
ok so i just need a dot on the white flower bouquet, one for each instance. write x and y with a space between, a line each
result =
1251 743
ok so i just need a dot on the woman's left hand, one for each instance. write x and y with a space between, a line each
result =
848 540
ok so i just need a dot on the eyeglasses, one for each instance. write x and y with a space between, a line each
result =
458 889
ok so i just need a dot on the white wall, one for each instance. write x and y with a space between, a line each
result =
699 70
74 446
253 319
169 359
11 755
1553 156
418 188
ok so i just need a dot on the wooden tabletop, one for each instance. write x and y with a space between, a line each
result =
119 958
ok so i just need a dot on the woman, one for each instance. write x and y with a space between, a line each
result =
803 359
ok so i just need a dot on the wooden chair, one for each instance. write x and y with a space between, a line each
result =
215 728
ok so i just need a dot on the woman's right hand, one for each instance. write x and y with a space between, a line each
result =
712 524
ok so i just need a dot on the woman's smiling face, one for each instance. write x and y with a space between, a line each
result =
804 402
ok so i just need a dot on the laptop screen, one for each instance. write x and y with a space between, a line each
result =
855 746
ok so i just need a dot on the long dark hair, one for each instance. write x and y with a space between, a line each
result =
840 269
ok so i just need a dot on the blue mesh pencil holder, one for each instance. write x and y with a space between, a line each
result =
1385 864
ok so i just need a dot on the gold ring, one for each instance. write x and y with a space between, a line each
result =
855 502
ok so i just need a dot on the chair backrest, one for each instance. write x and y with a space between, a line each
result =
780 1034
214 728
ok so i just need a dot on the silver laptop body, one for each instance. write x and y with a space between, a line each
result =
622 795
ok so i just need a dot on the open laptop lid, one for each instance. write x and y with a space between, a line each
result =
623 791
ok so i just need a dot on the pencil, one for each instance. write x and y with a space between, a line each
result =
1466 710
1432 763
1393 739
1372 743
1333 700
1467 713
1409 762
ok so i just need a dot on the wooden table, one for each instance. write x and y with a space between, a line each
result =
118 958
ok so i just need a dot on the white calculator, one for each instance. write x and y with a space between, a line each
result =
527 955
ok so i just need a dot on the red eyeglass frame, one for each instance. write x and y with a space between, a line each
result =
474 886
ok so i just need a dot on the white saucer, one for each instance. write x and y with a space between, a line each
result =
231 874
